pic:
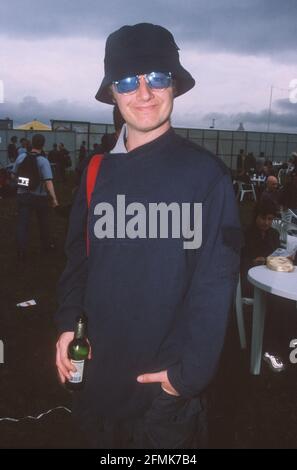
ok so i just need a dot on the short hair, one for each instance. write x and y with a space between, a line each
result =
266 207
38 141
14 138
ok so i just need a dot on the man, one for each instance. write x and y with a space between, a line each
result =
245 163
157 310
288 196
82 151
22 149
53 154
63 162
12 152
35 200
271 192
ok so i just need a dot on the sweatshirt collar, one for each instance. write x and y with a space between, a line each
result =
120 146
149 147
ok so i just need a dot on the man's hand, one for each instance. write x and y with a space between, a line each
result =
54 202
63 364
161 377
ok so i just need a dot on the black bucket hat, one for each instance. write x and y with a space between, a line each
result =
140 49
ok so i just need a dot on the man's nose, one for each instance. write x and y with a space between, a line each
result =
144 91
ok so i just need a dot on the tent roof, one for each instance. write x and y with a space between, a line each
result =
34 126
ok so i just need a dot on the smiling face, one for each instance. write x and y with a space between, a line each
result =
146 111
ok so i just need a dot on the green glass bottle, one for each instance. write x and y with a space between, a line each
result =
78 351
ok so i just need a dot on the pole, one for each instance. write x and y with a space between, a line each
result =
268 118
269 109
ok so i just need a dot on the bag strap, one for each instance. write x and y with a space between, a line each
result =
92 173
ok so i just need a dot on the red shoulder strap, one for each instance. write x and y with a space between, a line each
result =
92 173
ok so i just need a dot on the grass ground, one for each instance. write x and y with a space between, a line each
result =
246 412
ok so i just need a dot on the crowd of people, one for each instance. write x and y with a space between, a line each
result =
278 182
276 193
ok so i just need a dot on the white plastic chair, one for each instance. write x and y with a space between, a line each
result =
289 216
283 227
245 188
293 216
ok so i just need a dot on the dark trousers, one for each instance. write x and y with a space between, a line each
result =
170 423
28 204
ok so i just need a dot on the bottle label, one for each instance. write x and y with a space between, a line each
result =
76 377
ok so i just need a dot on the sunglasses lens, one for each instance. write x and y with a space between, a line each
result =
127 85
159 80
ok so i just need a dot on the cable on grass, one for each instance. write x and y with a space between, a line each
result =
41 415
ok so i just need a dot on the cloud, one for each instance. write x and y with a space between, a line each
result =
31 108
247 26
286 105
257 121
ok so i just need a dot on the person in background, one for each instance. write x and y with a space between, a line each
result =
288 195
82 151
272 192
22 149
53 154
35 201
12 152
261 240
62 161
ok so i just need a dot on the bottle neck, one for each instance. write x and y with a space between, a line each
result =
80 331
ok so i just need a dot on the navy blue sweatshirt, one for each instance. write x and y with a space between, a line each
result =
152 304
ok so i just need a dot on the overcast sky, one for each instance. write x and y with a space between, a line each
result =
51 58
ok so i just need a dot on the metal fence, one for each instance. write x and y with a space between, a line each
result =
68 139
226 144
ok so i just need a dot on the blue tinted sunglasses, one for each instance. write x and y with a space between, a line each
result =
155 80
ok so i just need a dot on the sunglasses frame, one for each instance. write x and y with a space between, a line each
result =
147 79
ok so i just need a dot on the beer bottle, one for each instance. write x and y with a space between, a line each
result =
78 351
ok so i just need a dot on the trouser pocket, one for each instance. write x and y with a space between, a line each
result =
173 422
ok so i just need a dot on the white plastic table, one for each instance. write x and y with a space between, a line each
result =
258 180
277 283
